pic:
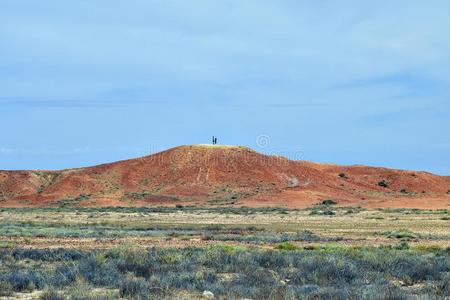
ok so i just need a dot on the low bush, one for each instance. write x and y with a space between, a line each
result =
402 246
51 294
401 234
287 246
383 183
231 272
5 288
21 281
136 288
80 290
329 202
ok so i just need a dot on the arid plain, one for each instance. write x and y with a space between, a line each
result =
224 222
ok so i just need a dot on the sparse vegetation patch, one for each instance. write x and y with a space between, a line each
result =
70 202
383 183
329 202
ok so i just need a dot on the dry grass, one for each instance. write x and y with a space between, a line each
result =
364 227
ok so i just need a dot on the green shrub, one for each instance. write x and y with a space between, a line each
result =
329 202
287 246
402 246
383 183
401 234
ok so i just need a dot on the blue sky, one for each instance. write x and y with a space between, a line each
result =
350 82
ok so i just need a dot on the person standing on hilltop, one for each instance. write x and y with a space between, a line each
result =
213 140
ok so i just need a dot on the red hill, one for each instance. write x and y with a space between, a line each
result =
222 175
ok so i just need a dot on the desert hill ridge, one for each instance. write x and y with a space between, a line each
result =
222 175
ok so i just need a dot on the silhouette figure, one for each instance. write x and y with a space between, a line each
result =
215 141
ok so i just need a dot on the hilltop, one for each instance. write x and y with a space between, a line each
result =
222 175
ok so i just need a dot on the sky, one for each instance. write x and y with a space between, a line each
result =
348 82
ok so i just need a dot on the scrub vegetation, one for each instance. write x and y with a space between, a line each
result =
190 253
286 272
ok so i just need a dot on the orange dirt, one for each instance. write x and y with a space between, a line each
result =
222 175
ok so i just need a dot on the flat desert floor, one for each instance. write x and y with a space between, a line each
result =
188 252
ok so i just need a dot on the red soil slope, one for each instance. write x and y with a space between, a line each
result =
222 175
